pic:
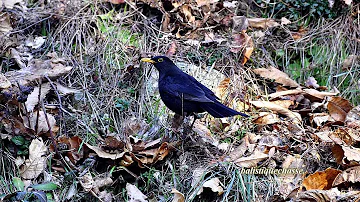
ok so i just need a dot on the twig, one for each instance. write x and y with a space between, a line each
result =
59 100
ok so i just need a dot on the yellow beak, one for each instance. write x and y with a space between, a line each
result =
147 60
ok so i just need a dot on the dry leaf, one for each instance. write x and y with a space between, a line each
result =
318 195
351 175
338 108
244 43
36 70
42 123
318 94
134 194
34 166
266 118
284 21
295 117
4 82
284 93
352 119
186 10
321 180
178 196
277 75
262 23
351 153
104 154
222 88
5 24
63 90
33 97
252 160
214 185
87 182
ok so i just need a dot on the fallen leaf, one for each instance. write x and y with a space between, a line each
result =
36 70
36 42
134 194
318 195
277 75
266 118
104 154
63 90
352 119
4 82
214 185
244 43
186 10
178 196
222 88
295 117
284 93
351 175
338 108
321 180
87 182
349 61
42 122
33 97
34 166
252 160
5 24
262 23
284 21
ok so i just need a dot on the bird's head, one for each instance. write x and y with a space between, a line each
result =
161 63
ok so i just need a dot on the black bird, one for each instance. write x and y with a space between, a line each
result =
183 94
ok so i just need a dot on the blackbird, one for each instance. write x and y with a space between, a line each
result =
183 94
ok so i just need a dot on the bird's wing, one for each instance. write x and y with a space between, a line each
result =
184 88
207 91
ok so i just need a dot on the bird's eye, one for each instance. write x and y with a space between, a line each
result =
160 60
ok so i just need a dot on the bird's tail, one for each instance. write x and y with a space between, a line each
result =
218 110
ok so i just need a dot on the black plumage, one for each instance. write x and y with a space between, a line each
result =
183 94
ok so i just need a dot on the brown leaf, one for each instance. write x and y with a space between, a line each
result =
222 88
34 166
73 145
262 23
178 196
277 75
104 154
352 119
317 94
186 10
4 82
295 117
338 108
37 70
321 180
266 118
349 175
42 122
252 160
5 23
244 43
284 93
